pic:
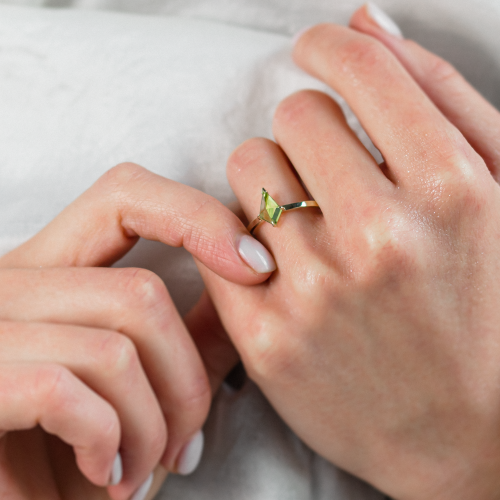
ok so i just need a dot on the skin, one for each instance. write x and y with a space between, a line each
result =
96 360
377 338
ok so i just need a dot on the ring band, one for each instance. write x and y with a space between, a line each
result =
271 212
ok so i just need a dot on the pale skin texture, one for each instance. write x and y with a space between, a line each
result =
378 339
96 360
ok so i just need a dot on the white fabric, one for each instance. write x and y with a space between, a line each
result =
465 32
81 91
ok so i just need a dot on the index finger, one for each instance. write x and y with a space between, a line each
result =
129 202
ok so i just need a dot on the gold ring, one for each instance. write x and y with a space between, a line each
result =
271 212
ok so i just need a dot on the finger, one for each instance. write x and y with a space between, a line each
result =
463 105
216 349
260 163
312 130
70 482
420 146
49 395
107 363
236 305
257 161
134 302
129 202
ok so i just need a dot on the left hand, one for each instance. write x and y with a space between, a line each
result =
99 358
378 339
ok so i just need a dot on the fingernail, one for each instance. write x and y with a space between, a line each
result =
299 33
256 255
190 455
116 471
383 20
143 490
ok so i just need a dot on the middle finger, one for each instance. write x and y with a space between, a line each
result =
419 144
314 134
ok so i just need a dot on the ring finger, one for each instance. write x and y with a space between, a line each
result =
260 163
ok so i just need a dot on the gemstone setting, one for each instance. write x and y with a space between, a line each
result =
270 211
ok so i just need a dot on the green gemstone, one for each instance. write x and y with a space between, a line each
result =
270 211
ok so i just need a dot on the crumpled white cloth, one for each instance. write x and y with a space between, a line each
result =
82 90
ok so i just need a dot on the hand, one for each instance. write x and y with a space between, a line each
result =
377 339
100 357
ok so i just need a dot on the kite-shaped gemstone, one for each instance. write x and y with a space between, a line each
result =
270 211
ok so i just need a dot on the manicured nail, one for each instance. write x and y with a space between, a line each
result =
383 20
299 33
256 255
116 471
143 490
190 455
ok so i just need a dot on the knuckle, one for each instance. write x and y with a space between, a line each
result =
387 255
117 355
293 108
457 185
53 385
270 353
455 201
142 288
248 154
196 399
440 70
121 174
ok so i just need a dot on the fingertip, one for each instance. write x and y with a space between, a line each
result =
300 41
190 456
372 20
299 34
359 17
116 471
143 490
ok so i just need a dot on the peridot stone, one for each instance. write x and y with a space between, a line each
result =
270 211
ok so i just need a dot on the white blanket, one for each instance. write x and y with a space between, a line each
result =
82 90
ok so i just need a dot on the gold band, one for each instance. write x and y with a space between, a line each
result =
271 212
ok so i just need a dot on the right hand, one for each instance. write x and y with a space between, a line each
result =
100 357
377 340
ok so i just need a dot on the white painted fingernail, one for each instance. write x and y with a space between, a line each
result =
116 471
143 490
190 456
383 20
299 33
256 255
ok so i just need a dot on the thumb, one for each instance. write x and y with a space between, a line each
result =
216 349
